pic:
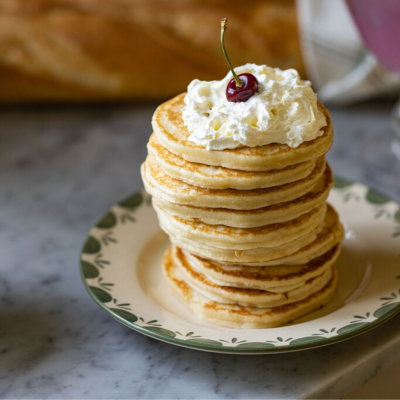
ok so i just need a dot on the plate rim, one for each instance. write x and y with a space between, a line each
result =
236 350
210 347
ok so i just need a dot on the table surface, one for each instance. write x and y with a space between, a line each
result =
60 169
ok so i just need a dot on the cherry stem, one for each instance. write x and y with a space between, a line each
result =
224 25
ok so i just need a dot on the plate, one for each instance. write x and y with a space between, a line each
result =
121 269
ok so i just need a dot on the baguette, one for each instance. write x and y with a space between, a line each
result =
99 50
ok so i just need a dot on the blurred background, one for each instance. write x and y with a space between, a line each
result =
98 50
104 51
79 82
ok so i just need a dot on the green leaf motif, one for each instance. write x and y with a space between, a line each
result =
205 341
126 315
350 328
107 221
91 246
306 340
256 345
381 312
161 331
132 202
89 270
375 197
100 294
340 183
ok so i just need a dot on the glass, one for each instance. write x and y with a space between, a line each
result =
378 22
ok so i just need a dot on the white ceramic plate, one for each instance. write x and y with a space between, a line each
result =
121 269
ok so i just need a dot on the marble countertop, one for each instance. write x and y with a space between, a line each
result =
59 170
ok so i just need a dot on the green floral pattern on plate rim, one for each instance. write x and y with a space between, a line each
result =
102 292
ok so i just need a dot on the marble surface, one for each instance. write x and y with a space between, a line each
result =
62 168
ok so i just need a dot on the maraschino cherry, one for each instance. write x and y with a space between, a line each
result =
241 87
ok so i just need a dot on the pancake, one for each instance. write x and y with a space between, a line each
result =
281 212
299 251
210 177
241 257
277 279
171 132
331 234
161 185
237 316
245 296
225 237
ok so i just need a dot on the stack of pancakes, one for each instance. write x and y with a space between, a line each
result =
253 239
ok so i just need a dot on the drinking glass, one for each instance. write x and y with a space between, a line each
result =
378 22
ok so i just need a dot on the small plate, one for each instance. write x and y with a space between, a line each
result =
121 269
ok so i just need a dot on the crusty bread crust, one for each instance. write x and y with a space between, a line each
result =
95 50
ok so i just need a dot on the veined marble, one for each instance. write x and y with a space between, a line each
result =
60 169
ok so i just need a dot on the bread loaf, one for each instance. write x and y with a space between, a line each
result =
99 50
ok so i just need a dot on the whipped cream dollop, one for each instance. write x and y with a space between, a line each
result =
284 111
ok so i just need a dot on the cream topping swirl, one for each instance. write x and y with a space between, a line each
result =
284 111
